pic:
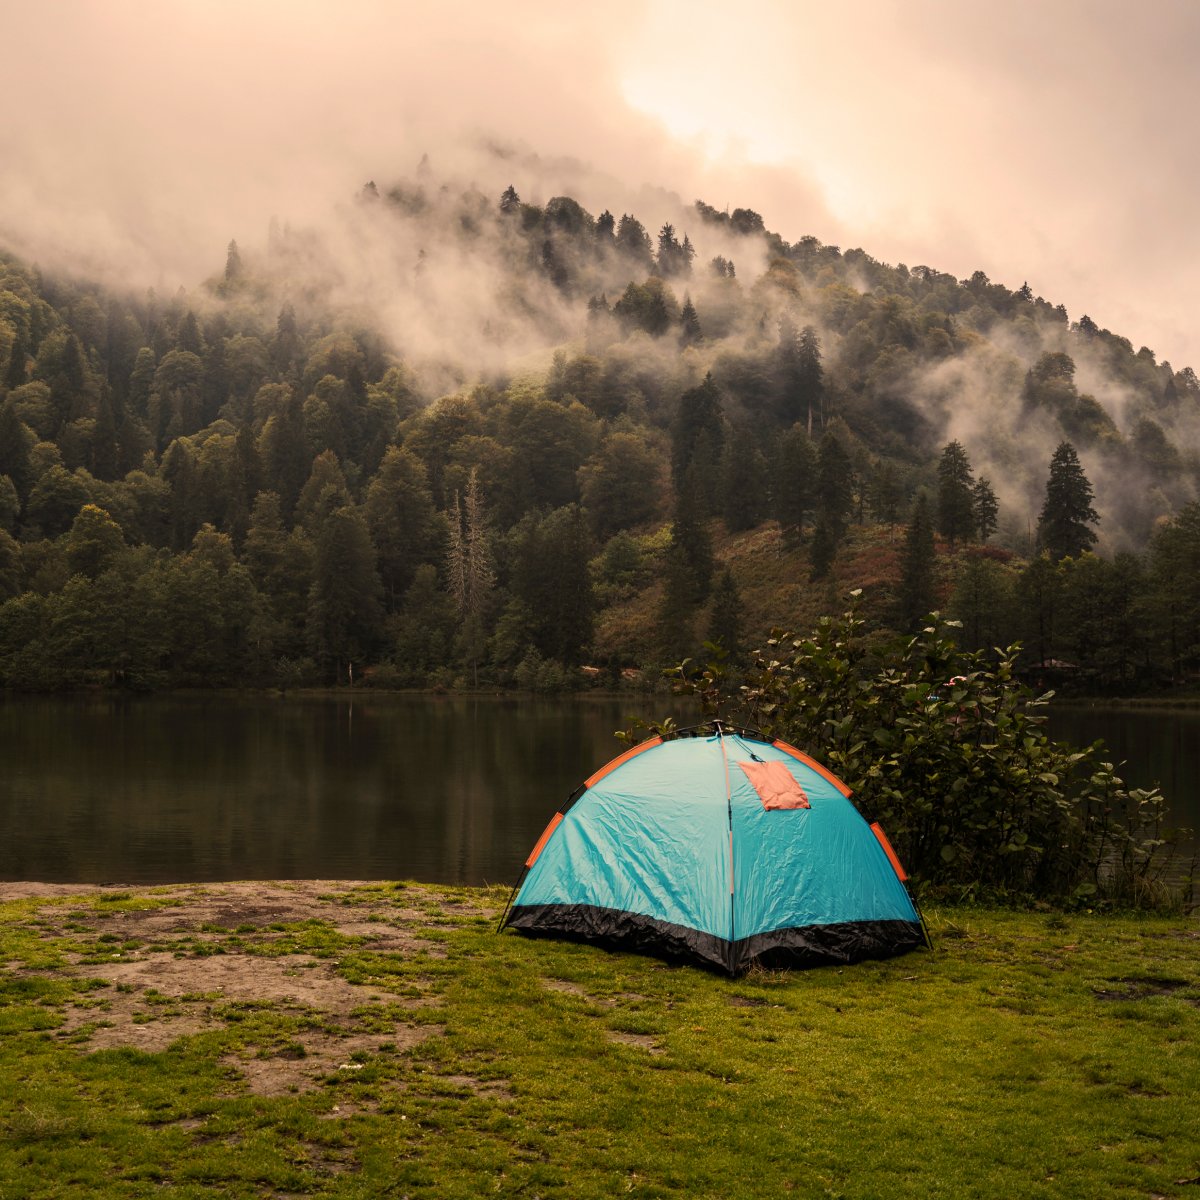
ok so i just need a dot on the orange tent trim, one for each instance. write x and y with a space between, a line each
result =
877 830
640 748
824 772
541 842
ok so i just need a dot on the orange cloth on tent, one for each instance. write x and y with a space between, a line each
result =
775 784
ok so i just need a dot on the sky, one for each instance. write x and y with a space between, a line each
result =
1047 141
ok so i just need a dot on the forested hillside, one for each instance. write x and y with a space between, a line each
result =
467 439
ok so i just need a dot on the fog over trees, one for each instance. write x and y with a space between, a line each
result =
476 437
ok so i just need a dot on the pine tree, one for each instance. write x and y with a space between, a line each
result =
104 437
697 440
690 539
469 568
955 494
233 263
1067 514
669 252
743 474
510 202
823 552
984 508
917 596
687 256
15 443
886 493
18 362
344 613
811 377
689 322
725 620
795 476
550 578
633 242
835 487
677 610
189 336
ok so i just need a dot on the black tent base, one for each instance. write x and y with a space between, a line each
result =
805 946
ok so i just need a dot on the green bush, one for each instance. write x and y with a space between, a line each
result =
949 752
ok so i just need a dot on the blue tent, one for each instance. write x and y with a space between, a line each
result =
722 848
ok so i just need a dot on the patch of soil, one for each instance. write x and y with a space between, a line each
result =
497 1089
157 996
567 988
325 1054
642 1041
1139 988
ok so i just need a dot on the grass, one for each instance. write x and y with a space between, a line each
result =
1027 1055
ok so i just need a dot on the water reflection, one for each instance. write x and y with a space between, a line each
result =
445 790
1150 746
209 788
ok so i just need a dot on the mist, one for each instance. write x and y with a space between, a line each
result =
1048 145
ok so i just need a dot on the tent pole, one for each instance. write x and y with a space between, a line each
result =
511 897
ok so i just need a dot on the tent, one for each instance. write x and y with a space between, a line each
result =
720 847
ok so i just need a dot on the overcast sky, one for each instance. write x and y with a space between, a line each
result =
1043 140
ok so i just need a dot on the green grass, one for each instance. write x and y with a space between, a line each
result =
1026 1056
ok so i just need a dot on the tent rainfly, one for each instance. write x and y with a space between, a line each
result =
722 848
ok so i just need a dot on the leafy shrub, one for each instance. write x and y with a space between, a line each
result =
949 752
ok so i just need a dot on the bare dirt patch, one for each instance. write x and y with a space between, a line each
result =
316 1056
1141 987
177 967
567 988
640 1041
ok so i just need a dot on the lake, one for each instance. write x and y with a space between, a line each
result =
440 789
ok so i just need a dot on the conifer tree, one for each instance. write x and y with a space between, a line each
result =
698 438
551 580
233 263
469 562
669 252
633 242
743 482
917 596
104 450
677 610
725 621
885 493
795 476
15 443
984 508
689 322
824 550
690 539
811 376
344 614
955 494
1064 529
835 487
10 504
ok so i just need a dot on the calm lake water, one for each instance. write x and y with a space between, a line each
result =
449 790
